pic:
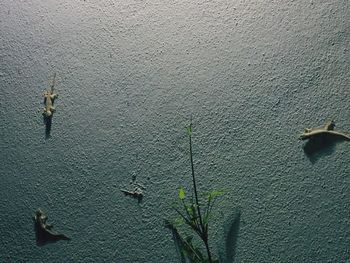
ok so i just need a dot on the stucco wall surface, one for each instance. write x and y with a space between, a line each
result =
130 74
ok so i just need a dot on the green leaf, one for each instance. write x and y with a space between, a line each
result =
215 193
182 193
179 221
206 219
189 129
199 253
189 239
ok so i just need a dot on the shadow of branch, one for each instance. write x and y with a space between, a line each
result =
179 244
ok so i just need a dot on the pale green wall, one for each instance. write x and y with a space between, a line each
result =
253 75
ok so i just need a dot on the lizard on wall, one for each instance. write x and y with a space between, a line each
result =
49 98
328 129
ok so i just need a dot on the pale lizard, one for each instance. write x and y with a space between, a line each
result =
328 129
49 98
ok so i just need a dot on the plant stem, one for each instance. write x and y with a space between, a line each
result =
204 233
207 247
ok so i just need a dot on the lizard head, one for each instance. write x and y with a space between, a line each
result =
330 125
38 212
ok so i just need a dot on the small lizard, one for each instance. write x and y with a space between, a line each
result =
138 189
136 193
44 229
49 98
327 129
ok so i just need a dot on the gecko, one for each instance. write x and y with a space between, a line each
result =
49 98
44 230
137 191
328 129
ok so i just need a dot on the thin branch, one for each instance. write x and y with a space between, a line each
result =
190 217
188 222
194 179
204 233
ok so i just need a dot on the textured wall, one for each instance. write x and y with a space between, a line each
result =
253 74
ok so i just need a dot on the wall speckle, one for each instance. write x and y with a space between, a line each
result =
253 74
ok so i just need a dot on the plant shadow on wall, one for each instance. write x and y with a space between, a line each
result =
231 230
194 217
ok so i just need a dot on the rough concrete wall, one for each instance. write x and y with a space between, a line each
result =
253 75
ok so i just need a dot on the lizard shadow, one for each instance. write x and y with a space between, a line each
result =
321 145
42 237
43 231
48 123
138 197
231 230
134 195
